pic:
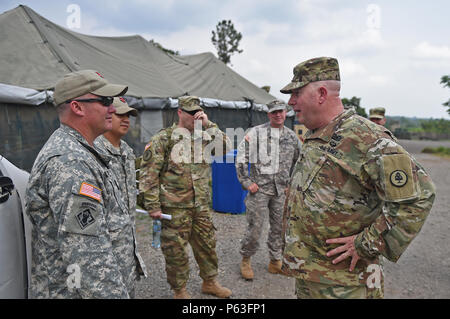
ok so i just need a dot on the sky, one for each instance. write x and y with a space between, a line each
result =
391 54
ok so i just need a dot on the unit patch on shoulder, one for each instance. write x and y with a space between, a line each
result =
85 218
398 178
147 155
90 191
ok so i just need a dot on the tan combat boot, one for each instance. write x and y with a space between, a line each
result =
212 287
181 293
275 267
246 268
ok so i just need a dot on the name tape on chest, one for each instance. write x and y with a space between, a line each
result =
90 191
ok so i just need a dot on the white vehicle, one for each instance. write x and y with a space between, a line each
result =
15 232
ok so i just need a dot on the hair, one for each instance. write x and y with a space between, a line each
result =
333 86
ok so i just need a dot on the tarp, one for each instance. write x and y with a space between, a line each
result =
36 53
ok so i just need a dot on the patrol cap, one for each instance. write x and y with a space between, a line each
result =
312 70
122 106
189 103
82 82
377 113
276 105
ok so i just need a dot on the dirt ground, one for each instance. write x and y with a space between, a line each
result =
422 272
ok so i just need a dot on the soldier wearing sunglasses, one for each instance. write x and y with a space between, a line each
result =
81 225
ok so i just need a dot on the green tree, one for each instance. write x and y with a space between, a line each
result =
354 102
159 46
226 40
446 81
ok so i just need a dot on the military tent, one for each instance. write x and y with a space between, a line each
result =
36 53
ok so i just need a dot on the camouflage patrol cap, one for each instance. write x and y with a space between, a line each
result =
377 113
122 107
276 105
316 69
189 103
82 82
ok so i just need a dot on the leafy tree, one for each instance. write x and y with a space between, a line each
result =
226 40
159 46
446 81
354 102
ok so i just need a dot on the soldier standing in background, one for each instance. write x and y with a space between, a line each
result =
122 164
354 192
82 237
266 183
376 115
175 181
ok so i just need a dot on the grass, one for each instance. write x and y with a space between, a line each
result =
440 151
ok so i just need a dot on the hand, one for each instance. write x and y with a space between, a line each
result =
156 214
200 115
348 250
253 188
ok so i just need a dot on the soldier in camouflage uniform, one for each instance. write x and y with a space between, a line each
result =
354 191
277 149
376 115
122 164
82 237
174 178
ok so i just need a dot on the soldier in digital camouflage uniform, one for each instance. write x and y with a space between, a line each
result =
122 164
272 150
174 178
82 237
376 115
355 192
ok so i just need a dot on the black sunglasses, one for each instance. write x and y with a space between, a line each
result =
104 100
191 112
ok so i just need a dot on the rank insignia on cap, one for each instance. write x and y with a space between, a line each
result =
85 218
90 191
398 178
100 75
122 99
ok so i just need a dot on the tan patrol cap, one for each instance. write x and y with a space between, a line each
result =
82 82
276 105
377 113
312 70
189 103
122 106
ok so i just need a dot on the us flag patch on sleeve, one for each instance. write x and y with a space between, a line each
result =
90 191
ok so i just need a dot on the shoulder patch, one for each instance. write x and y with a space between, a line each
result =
147 155
147 146
90 191
398 177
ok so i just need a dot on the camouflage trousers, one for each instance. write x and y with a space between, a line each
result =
258 206
315 290
193 226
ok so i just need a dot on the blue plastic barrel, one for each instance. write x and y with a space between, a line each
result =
227 193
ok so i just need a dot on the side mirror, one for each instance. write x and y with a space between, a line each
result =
6 187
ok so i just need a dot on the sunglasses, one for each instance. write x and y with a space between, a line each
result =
104 100
191 112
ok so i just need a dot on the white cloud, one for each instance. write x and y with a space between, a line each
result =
424 50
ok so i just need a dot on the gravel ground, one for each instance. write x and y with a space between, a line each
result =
422 272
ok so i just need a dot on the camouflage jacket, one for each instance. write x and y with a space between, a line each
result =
122 164
173 173
82 237
353 178
272 155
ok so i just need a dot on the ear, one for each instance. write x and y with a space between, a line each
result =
77 108
323 93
